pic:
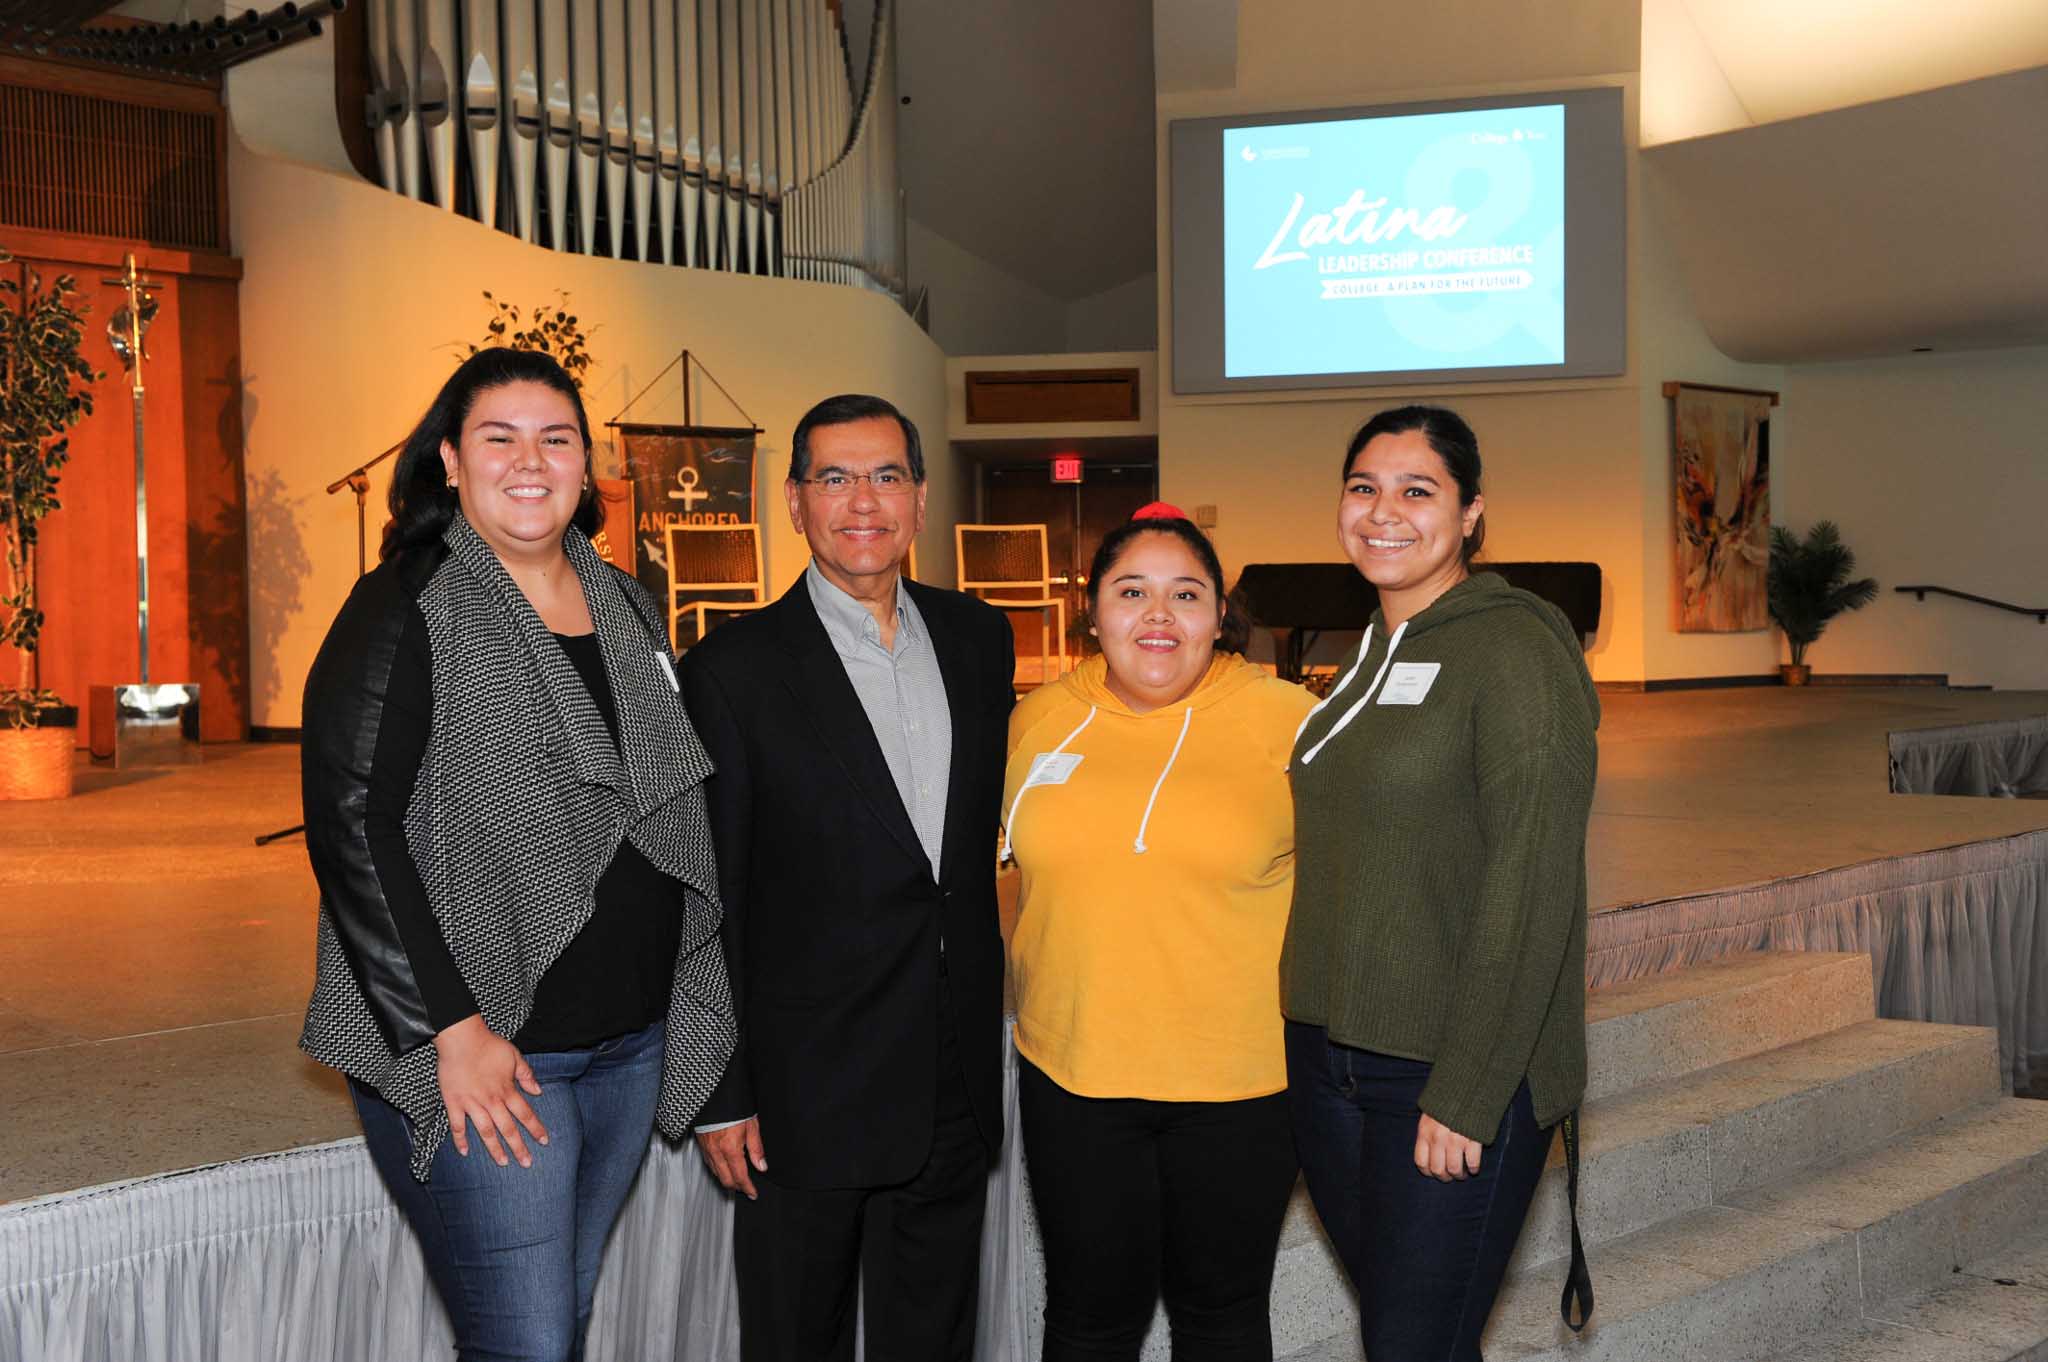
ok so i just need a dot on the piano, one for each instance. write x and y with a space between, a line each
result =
1296 601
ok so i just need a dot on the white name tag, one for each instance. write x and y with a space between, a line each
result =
1408 682
1052 768
668 669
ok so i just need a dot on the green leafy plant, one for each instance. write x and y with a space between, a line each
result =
552 330
45 391
1811 583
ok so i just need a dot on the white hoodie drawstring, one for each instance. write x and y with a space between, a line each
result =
1009 821
1360 702
1364 647
1187 717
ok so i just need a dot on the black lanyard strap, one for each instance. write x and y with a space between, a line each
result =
1578 1283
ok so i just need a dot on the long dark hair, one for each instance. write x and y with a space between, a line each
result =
1232 619
422 502
1453 442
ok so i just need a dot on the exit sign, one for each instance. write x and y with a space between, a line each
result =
1066 468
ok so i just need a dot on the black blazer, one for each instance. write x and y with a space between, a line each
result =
832 918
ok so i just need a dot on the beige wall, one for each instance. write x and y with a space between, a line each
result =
1122 318
1565 470
357 303
1932 464
1671 344
1936 468
978 308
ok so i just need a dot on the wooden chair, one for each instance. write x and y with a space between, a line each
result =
721 558
1011 560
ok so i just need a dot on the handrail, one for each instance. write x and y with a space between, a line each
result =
2040 613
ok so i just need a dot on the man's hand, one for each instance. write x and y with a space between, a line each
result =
729 1151
1442 1153
481 1075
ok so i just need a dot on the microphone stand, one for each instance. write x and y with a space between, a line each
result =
357 480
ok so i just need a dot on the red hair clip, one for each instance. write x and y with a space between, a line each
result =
1159 510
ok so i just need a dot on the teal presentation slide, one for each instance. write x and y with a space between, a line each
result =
1376 245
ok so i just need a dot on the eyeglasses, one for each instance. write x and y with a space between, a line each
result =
886 482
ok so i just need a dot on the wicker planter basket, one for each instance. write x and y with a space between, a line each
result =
35 763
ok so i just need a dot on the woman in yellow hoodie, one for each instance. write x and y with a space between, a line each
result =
1148 809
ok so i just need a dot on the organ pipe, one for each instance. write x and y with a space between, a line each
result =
703 134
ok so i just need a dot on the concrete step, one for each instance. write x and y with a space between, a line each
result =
1994 1310
1660 1028
1799 1259
1665 1148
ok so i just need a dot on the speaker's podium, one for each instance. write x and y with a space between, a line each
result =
1296 601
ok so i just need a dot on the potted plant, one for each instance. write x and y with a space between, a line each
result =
1810 585
552 330
43 391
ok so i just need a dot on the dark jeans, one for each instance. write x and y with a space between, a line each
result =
514 1251
1427 1257
913 1250
1135 1195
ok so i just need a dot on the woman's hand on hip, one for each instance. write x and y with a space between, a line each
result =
482 1075
1442 1153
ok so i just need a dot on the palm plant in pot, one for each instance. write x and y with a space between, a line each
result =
43 391
1810 585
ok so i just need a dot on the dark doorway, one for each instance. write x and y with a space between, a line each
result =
1076 516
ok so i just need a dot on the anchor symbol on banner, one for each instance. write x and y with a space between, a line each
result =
686 478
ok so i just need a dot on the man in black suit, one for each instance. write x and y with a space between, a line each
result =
859 727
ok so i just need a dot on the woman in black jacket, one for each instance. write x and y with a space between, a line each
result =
519 966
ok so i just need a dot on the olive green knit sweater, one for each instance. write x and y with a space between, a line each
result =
1440 854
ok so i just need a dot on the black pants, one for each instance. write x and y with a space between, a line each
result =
1134 1196
1427 1257
800 1255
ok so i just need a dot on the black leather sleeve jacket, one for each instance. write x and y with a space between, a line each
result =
346 695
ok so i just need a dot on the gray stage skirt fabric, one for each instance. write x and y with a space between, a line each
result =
1957 935
303 1257
2006 760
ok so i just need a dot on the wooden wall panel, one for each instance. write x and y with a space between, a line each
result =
86 559
98 154
197 532
1029 396
216 520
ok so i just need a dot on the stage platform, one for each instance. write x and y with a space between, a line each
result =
157 962
176 1180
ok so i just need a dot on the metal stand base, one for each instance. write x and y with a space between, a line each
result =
136 727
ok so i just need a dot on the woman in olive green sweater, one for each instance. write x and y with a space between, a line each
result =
1433 975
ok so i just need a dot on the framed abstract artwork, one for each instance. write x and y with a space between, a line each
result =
1721 467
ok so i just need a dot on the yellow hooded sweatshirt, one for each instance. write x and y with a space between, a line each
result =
1157 853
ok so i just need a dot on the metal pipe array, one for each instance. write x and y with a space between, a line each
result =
196 48
712 134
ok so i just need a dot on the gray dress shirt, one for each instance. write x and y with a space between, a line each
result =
904 695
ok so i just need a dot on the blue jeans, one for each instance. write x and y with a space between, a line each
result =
1427 1257
514 1251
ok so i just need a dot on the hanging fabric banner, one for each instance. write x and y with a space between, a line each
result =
614 538
682 475
1722 474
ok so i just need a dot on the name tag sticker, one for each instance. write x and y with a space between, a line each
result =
1050 768
668 669
1408 682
